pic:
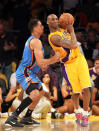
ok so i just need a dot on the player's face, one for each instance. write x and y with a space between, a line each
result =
46 79
39 28
53 21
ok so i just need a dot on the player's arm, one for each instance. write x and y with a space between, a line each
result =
61 42
36 45
70 29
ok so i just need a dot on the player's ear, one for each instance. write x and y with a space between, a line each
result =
47 22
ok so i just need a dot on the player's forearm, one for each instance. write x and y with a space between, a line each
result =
73 38
67 44
47 62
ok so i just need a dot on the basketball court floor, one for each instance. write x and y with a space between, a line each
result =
48 124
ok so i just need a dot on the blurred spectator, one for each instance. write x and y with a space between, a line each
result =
21 16
15 94
38 9
53 75
47 80
57 7
87 50
80 38
95 96
93 71
93 74
7 50
81 17
3 92
91 38
53 97
93 23
96 50
46 103
80 34
69 4
90 63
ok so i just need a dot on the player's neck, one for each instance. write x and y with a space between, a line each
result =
36 34
54 29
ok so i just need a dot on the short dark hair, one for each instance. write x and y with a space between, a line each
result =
32 24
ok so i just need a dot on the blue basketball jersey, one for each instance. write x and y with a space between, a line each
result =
26 72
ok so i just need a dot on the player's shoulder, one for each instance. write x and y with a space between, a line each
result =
35 40
35 44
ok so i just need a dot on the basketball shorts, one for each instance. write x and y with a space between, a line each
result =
76 74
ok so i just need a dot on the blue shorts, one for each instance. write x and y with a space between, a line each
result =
25 77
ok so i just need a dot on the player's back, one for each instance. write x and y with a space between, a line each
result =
28 59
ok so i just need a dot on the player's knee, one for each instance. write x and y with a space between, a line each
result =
32 87
34 94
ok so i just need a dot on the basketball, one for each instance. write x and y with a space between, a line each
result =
66 18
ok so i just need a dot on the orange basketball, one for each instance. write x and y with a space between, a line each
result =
66 18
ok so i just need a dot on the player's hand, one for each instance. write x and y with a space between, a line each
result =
70 28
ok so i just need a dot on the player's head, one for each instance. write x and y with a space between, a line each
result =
35 25
52 21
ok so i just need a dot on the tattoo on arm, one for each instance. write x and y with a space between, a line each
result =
58 41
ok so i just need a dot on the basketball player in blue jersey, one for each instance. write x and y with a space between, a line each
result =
31 62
